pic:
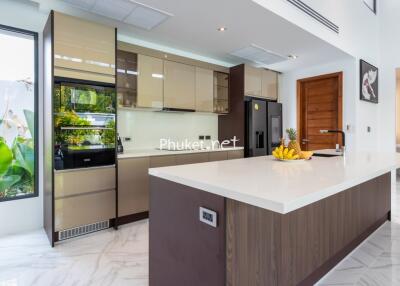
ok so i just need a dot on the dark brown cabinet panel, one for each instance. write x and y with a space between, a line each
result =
298 248
184 250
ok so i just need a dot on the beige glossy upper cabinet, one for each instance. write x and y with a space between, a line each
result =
83 49
252 81
204 90
150 82
221 92
179 86
269 84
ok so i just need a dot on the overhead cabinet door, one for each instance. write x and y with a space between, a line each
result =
179 86
150 82
83 50
269 84
204 90
252 81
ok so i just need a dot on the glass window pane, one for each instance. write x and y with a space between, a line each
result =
17 114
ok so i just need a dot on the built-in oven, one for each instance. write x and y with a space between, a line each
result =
84 123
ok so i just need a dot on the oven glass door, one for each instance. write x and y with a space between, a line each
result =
84 122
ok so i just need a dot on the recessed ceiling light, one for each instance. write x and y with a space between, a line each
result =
222 29
292 57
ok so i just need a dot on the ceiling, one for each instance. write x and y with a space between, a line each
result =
193 28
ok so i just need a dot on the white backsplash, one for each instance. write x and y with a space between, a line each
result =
146 128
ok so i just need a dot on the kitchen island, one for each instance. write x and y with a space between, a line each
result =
258 221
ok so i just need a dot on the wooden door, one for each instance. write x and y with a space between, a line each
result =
319 107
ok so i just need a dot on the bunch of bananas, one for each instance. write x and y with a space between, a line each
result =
284 153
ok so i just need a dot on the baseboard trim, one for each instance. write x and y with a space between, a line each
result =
132 218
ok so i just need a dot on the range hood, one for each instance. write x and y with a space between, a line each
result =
171 109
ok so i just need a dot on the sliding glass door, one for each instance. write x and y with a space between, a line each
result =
18 114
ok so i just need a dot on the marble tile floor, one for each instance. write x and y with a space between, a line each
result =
120 258
100 259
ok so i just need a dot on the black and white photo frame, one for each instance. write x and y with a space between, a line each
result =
368 82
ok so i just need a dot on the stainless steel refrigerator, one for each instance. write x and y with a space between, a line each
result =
263 126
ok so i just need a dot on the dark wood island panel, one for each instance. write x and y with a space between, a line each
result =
252 246
182 250
298 248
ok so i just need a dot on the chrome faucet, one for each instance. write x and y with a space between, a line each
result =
343 148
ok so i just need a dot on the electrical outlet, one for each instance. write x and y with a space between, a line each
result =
127 139
208 137
368 129
201 137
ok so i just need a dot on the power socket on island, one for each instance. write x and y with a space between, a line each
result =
201 137
208 137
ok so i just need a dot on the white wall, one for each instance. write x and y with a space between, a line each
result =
357 115
25 214
360 31
288 94
390 60
359 27
397 107
146 128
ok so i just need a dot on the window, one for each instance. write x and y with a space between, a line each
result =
18 113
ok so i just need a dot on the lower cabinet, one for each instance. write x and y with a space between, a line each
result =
133 185
84 209
133 178
162 161
218 156
191 158
237 154
83 197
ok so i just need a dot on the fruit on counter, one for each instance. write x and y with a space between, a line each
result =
306 154
284 153
293 144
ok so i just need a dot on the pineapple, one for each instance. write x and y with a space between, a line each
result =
293 144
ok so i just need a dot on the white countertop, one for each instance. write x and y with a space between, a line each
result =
157 152
281 186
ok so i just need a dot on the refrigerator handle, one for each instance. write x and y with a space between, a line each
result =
259 139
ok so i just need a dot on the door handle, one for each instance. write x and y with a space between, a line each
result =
304 141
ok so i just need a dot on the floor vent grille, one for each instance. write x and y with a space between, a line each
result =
83 229
317 16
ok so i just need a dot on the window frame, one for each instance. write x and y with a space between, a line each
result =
35 36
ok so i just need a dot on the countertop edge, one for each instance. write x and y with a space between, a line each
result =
155 153
278 207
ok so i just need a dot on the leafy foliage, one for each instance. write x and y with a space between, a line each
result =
108 136
81 98
17 164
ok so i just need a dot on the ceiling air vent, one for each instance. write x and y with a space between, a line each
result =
259 55
127 11
317 16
